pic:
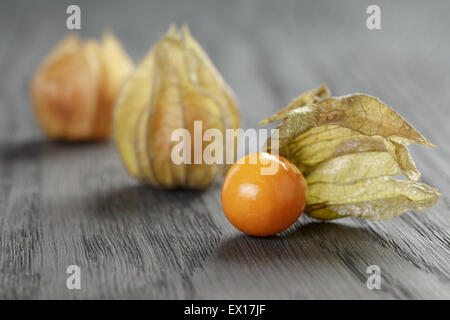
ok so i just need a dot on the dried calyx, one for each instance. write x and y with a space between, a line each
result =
75 87
349 148
175 85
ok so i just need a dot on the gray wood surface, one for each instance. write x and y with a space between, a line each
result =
64 204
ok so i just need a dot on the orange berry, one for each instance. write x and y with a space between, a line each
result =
263 204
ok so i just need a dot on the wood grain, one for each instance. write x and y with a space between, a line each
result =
66 204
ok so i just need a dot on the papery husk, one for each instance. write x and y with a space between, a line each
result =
175 85
74 89
349 149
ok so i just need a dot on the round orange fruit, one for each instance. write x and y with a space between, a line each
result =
263 194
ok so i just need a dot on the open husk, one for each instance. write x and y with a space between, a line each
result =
350 149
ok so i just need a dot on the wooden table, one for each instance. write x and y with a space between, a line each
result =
64 204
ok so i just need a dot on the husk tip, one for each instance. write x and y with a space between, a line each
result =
185 30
